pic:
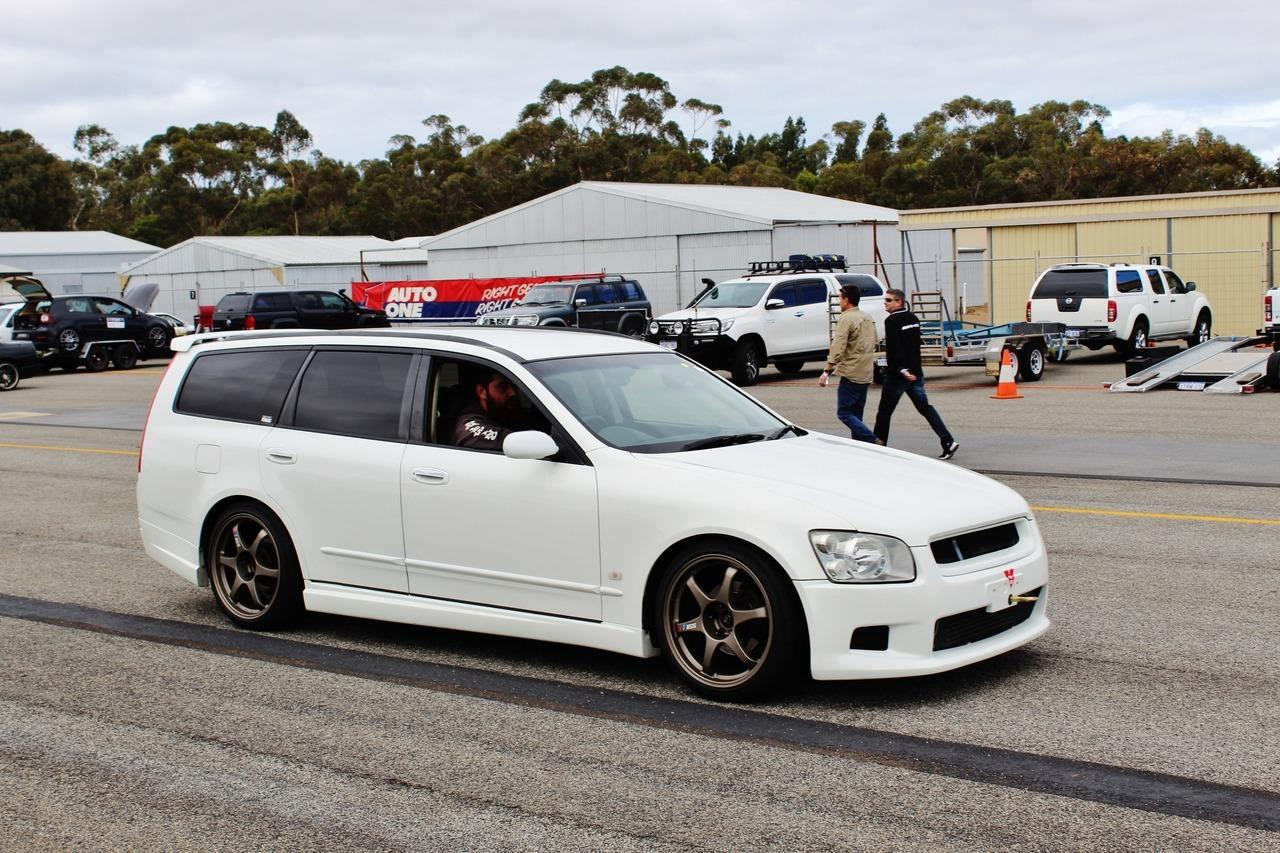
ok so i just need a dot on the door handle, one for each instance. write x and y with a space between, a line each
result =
430 476
798 314
281 457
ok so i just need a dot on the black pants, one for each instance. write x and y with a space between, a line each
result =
894 387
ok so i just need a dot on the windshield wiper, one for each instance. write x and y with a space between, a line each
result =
786 429
723 440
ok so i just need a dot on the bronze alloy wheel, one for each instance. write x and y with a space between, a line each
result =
718 621
245 567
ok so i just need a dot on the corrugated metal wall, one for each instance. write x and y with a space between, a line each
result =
1235 280
88 273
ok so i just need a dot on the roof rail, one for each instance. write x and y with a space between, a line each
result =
799 263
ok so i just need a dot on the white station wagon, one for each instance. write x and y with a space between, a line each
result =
643 505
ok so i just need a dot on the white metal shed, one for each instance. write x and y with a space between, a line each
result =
668 236
73 261
199 271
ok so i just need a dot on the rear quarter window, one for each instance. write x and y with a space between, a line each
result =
1082 284
1128 281
865 283
243 385
354 393
233 302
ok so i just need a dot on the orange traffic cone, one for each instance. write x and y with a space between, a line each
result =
1007 389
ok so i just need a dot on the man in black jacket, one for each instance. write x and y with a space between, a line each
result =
904 373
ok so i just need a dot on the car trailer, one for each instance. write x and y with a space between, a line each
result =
1031 346
1223 365
98 355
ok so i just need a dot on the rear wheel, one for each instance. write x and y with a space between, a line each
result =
1202 332
253 568
69 340
97 359
1137 340
726 621
8 376
1273 371
124 356
745 363
1031 363
789 365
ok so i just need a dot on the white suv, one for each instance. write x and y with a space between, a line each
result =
1271 316
643 504
1124 305
766 316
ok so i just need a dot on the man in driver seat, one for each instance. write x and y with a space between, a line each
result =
493 415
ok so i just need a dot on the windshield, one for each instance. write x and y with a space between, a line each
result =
656 402
732 294
548 294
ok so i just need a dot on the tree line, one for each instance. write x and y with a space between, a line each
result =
236 179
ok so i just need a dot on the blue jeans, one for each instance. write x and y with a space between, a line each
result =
894 387
851 399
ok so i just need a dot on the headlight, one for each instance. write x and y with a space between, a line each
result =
849 557
525 320
654 327
710 327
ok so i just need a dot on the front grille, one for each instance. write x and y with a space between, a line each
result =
966 546
973 626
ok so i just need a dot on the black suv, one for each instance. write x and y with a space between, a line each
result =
612 303
293 309
98 329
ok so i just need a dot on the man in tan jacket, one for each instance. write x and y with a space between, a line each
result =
852 356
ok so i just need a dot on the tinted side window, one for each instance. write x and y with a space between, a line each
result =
785 292
240 386
113 308
632 291
1175 283
1128 281
233 302
78 306
1156 284
271 302
308 301
354 393
331 301
811 292
865 283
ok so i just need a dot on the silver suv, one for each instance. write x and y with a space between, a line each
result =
1124 305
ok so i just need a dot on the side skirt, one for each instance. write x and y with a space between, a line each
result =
458 616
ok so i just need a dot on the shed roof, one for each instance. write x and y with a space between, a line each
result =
70 243
283 251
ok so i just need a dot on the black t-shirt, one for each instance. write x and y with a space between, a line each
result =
902 343
476 429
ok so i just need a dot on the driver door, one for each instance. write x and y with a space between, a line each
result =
481 528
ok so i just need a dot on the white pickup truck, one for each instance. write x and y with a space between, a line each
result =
1271 316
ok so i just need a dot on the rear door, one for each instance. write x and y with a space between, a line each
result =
120 320
1164 320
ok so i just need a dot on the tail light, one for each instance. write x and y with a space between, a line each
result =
1111 310
1266 308
1028 310
250 322
46 318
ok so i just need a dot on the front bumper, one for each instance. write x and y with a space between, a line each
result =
710 350
923 618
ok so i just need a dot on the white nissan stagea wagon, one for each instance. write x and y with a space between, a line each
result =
639 504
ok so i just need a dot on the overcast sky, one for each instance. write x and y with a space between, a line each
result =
356 73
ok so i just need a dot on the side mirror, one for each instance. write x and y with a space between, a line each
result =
774 305
580 302
1191 285
529 444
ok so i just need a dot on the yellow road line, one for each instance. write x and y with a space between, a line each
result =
1167 516
100 450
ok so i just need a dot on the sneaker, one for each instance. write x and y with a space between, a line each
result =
949 450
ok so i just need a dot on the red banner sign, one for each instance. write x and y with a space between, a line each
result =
449 298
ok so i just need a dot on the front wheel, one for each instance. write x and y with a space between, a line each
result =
157 339
726 621
8 376
744 365
253 568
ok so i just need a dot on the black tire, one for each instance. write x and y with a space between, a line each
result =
633 326
1202 332
253 568
1061 355
1031 363
69 341
745 363
124 356
1093 347
705 592
158 337
789 365
69 366
1273 371
1137 340
9 376
96 359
